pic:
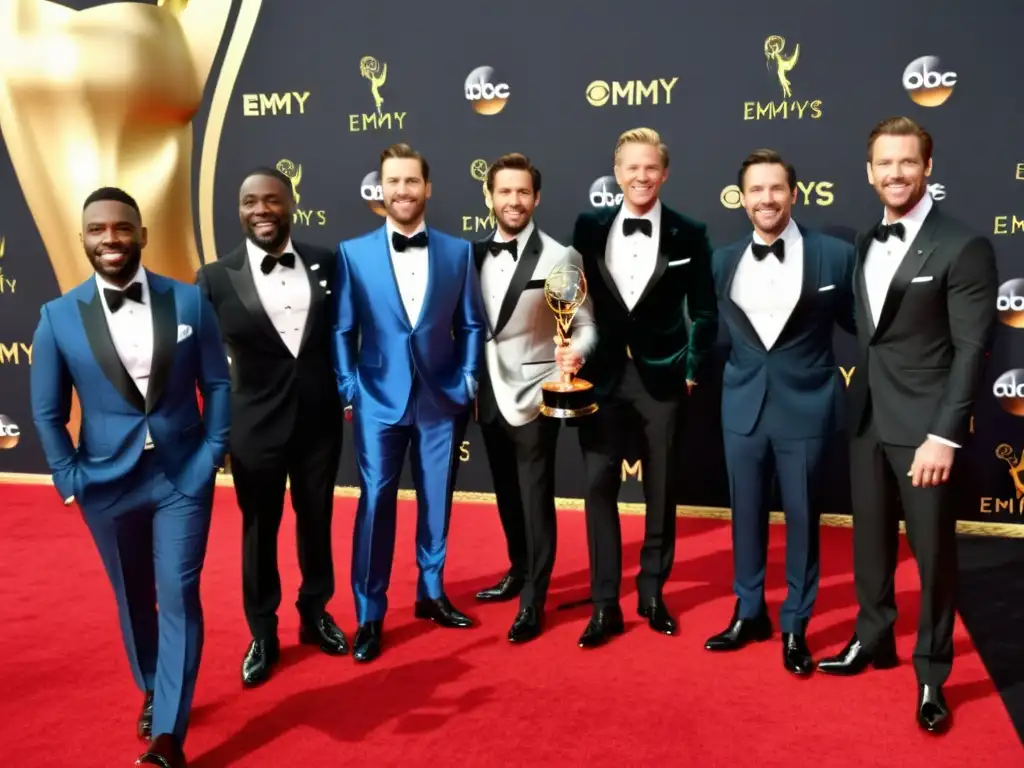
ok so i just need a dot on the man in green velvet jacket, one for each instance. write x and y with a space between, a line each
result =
647 268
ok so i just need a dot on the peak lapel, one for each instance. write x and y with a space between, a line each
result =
240 274
525 267
917 254
94 320
666 239
811 271
317 292
603 232
165 339
746 328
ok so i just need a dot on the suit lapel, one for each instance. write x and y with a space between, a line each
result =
666 239
861 245
917 254
738 315
601 235
240 274
317 293
525 267
165 339
97 332
434 262
811 270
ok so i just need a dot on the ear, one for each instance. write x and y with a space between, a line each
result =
427 191
536 200
796 193
664 176
143 237
928 168
871 176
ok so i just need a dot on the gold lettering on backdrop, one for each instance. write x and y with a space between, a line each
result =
259 104
1020 172
478 171
823 189
15 352
783 63
631 92
991 505
1008 225
464 451
636 469
302 216
7 284
377 74
847 373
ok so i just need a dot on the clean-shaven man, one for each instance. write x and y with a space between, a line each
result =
781 290
136 346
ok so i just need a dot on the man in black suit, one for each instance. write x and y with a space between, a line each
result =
925 289
272 299
644 262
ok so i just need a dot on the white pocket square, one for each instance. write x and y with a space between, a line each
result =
677 263
184 331
314 267
826 288
925 279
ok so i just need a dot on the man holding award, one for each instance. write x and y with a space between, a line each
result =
643 262
514 263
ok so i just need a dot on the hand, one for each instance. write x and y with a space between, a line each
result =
689 386
567 359
932 462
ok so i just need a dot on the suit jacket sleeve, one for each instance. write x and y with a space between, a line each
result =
584 329
971 295
845 315
50 386
214 381
470 321
702 307
346 329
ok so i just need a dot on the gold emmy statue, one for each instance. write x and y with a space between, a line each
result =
478 170
773 47
294 174
371 69
570 397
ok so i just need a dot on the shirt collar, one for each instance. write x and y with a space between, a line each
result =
916 215
653 215
523 237
790 235
390 228
140 277
257 254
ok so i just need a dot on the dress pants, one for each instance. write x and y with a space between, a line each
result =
152 541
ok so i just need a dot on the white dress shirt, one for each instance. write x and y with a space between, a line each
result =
882 261
131 330
768 290
631 260
284 294
411 270
496 272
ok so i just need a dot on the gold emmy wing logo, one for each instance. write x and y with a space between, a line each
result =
1005 452
478 171
1012 505
303 216
294 174
782 62
377 75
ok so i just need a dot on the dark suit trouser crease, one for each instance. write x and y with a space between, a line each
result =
310 461
522 463
603 439
879 480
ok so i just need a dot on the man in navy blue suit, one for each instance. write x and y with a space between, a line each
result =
781 292
135 346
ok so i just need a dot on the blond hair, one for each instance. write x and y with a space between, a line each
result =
642 136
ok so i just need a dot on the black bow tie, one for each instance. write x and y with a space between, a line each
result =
115 298
512 246
629 226
882 231
778 248
269 262
401 242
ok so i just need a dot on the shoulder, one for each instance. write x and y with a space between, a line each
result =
724 252
685 225
314 254
361 241
182 290
951 230
830 245
83 292
446 242
216 266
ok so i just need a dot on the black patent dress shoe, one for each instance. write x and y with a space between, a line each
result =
933 713
259 659
855 658
442 612
366 645
528 624
605 623
325 633
164 751
740 632
796 656
507 589
145 725
657 615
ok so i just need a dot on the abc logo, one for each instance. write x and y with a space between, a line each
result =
604 193
370 190
1009 390
484 92
1011 303
926 83
10 433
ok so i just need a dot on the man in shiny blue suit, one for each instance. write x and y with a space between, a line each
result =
408 341
135 346
782 291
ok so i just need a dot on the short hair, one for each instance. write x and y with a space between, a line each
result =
642 136
403 151
901 126
766 157
273 173
114 194
513 161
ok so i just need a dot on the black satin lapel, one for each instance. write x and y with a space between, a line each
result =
917 254
808 288
165 341
602 234
102 344
241 279
739 317
666 238
479 252
317 294
860 286
525 266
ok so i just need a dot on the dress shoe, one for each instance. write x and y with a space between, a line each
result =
507 589
933 713
528 624
854 658
796 657
657 615
441 611
367 643
325 633
603 625
740 632
259 660
145 724
164 751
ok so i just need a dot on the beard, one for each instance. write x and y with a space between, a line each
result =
272 242
121 273
510 227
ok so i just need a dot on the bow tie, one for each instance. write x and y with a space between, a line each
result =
629 226
401 242
115 298
512 246
269 262
882 231
778 248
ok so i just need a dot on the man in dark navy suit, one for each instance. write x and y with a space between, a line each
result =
781 292
136 346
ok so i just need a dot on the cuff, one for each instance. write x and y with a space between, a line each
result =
943 440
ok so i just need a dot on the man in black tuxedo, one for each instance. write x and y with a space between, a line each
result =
644 262
272 299
925 290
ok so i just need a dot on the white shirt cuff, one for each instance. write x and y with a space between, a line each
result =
943 440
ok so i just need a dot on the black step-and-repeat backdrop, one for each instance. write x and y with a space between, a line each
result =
318 88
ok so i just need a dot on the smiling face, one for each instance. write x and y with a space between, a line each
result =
113 237
640 173
898 172
514 200
265 208
405 190
767 198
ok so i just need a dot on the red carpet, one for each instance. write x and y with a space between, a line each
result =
466 698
